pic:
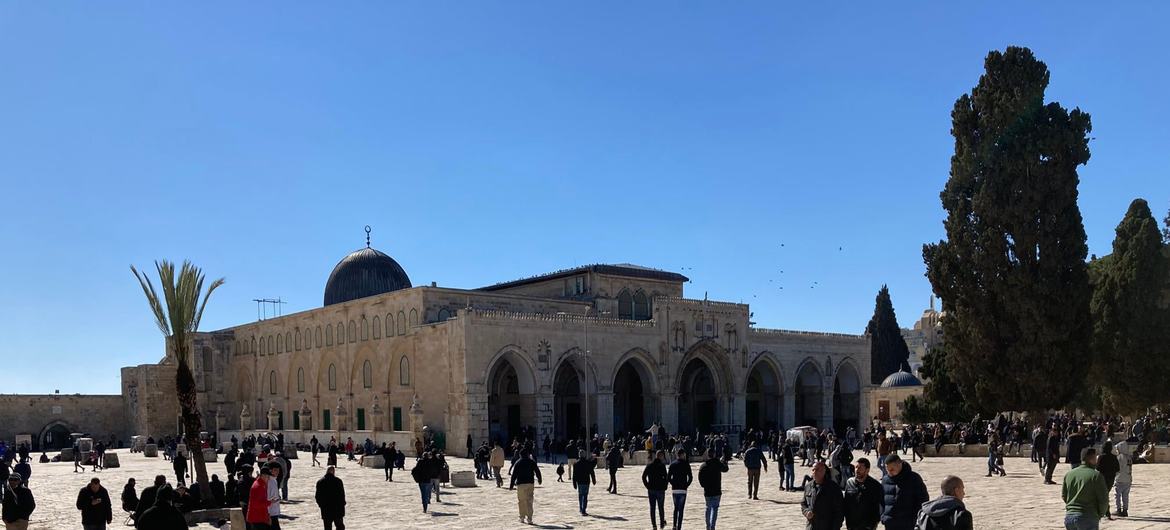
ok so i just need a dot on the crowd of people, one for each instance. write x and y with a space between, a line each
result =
838 491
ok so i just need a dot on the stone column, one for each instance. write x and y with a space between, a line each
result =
342 417
737 407
218 421
306 416
827 406
669 411
603 415
245 418
273 417
416 418
788 414
375 415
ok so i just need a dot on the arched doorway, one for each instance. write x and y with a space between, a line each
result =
763 398
809 396
568 418
55 436
511 401
846 399
697 398
633 407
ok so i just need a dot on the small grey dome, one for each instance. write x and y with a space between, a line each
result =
364 272
900 378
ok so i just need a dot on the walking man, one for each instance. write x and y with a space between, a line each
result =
257 515
787 467
18 504
583 475
613 462
94 502
421 473
330 496
497 462
753 459
863 498
1051 455
948 511
680 479
711 480
903 494
524 473
822 505
1124 479
654 477
1084 494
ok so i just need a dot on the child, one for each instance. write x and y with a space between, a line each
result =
560 472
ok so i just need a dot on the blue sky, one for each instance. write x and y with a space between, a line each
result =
487 141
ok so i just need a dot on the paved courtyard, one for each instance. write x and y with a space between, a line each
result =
1017 501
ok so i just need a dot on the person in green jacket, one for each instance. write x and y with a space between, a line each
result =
1084 494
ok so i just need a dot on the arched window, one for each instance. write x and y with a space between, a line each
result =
271 344
444 314
413 317
351 331
288 341
297 338
253 348
365 329
329 335
317 336
389 325
279 343
300 379
377 327
367 375
625 305
262 350
404 371
332 377
641 306
340 333
272 382
401 323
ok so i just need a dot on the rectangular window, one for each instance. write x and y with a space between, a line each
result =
296 420
361 419
325 423
580 285
280 420
397 424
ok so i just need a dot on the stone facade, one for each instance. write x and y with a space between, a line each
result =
617 347
49 419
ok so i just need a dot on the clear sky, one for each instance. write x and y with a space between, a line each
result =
750 146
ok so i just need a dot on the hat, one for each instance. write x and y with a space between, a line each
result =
15 476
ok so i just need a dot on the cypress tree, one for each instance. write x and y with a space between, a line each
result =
1011 272
887 347
941 398
1130 336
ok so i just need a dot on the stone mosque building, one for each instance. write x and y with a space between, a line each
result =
618 346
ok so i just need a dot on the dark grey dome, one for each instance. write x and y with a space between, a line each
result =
363 273
898 379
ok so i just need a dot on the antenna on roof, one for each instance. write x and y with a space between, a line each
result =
367 236
262 307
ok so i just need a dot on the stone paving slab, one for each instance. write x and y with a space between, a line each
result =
1018 501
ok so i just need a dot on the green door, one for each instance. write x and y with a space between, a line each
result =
361 419
397 418
325 423
296 420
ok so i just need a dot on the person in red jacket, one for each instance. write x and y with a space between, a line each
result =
257 516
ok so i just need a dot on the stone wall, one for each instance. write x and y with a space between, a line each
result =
150 404
101 416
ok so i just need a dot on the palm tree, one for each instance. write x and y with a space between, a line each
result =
177 320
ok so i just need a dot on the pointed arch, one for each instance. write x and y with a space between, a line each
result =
401 323
351 332
389 325
404 371
764 393
365 329
808 385
413 317
376 327
625 302
329 334
846 396
641 305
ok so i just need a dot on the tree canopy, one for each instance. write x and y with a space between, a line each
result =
1011 272
887 347
1131 338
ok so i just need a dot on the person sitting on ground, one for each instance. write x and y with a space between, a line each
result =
947 511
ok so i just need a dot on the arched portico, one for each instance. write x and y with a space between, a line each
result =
846 398
764 396
511 388
809 389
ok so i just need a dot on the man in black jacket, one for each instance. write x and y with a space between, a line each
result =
330 498
524 473
613 462
947 511
654 477
711 480
680 477
582 476
1076 442
903 494
149 494
863 499
163 515
18 503
1051 455
94 502
822 506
